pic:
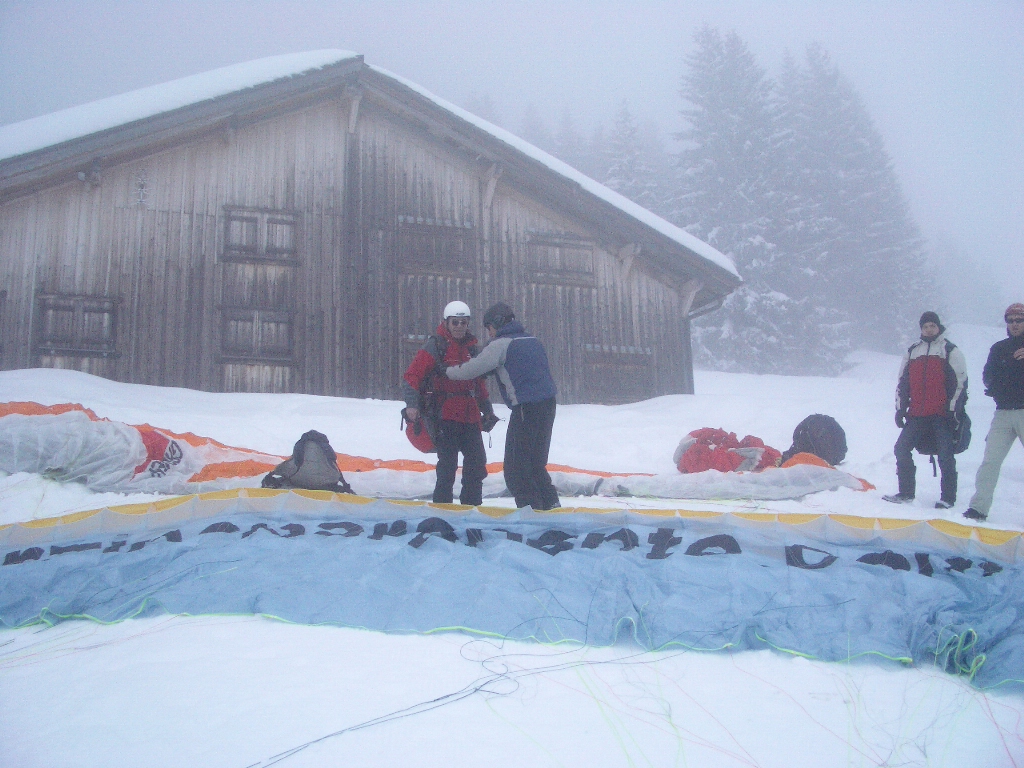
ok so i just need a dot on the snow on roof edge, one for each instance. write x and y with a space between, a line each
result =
595 188
92 117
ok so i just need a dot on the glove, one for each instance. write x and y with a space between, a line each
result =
954 421
901 419
487 418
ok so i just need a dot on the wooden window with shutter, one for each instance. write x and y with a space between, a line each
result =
76 325
560 259
258 283
260 235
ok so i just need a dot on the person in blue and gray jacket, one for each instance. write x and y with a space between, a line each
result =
520 364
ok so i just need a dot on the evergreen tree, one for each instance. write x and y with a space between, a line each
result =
725 195
628 171
844 217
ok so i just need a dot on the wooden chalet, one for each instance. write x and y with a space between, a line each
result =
296 224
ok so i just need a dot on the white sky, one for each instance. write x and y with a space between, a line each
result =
943 80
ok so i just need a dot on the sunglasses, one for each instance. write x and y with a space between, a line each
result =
456 321
1014 320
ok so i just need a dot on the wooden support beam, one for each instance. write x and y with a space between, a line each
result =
687 293
493 174
355 95
627 255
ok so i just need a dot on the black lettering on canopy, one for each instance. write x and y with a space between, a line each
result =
889 558
351 529
380 530
662 540
510 535
628 538
293 529
795 557
989 568
115 546
220 528
20 556
924 564
958 564
552 542
172 536
259 527
474 536
723 541
58 550
435 526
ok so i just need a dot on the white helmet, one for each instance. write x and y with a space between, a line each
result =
456 309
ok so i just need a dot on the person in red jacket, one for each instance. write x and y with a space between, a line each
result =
930 398
453 408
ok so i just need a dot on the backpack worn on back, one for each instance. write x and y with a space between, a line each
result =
313 465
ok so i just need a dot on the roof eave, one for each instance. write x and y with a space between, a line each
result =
59 163
558 191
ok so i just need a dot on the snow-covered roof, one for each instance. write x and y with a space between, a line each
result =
86 119
595 188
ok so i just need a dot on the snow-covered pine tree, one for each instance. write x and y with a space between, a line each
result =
725 196
844 215
628 171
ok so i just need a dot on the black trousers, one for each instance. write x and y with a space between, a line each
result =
452 438
526 455
906 471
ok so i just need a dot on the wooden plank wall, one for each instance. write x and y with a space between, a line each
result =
369 206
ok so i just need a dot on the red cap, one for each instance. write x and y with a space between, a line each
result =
1017 310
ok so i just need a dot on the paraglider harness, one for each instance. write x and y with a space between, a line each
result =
313 465
928 445
422 432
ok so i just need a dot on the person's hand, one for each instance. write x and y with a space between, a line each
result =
487 421
411 414
901 419
1018 354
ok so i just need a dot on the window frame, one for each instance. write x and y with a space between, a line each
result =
78 343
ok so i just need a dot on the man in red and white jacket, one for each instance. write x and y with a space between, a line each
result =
930 398
455 407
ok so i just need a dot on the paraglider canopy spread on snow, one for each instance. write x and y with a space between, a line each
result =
828 587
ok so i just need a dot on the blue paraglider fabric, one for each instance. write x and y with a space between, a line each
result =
819 588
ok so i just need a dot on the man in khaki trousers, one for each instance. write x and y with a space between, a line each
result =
1004 382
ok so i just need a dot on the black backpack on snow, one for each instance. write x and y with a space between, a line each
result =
821 435
313 465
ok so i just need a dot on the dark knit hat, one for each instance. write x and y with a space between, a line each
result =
1014 310
499 315
930 317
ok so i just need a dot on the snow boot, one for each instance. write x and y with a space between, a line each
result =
948 485
898 498
973 514
943 504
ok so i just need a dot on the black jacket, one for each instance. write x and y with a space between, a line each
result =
1004 376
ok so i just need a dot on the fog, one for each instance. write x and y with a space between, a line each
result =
944 81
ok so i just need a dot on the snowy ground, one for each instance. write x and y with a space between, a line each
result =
242 691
